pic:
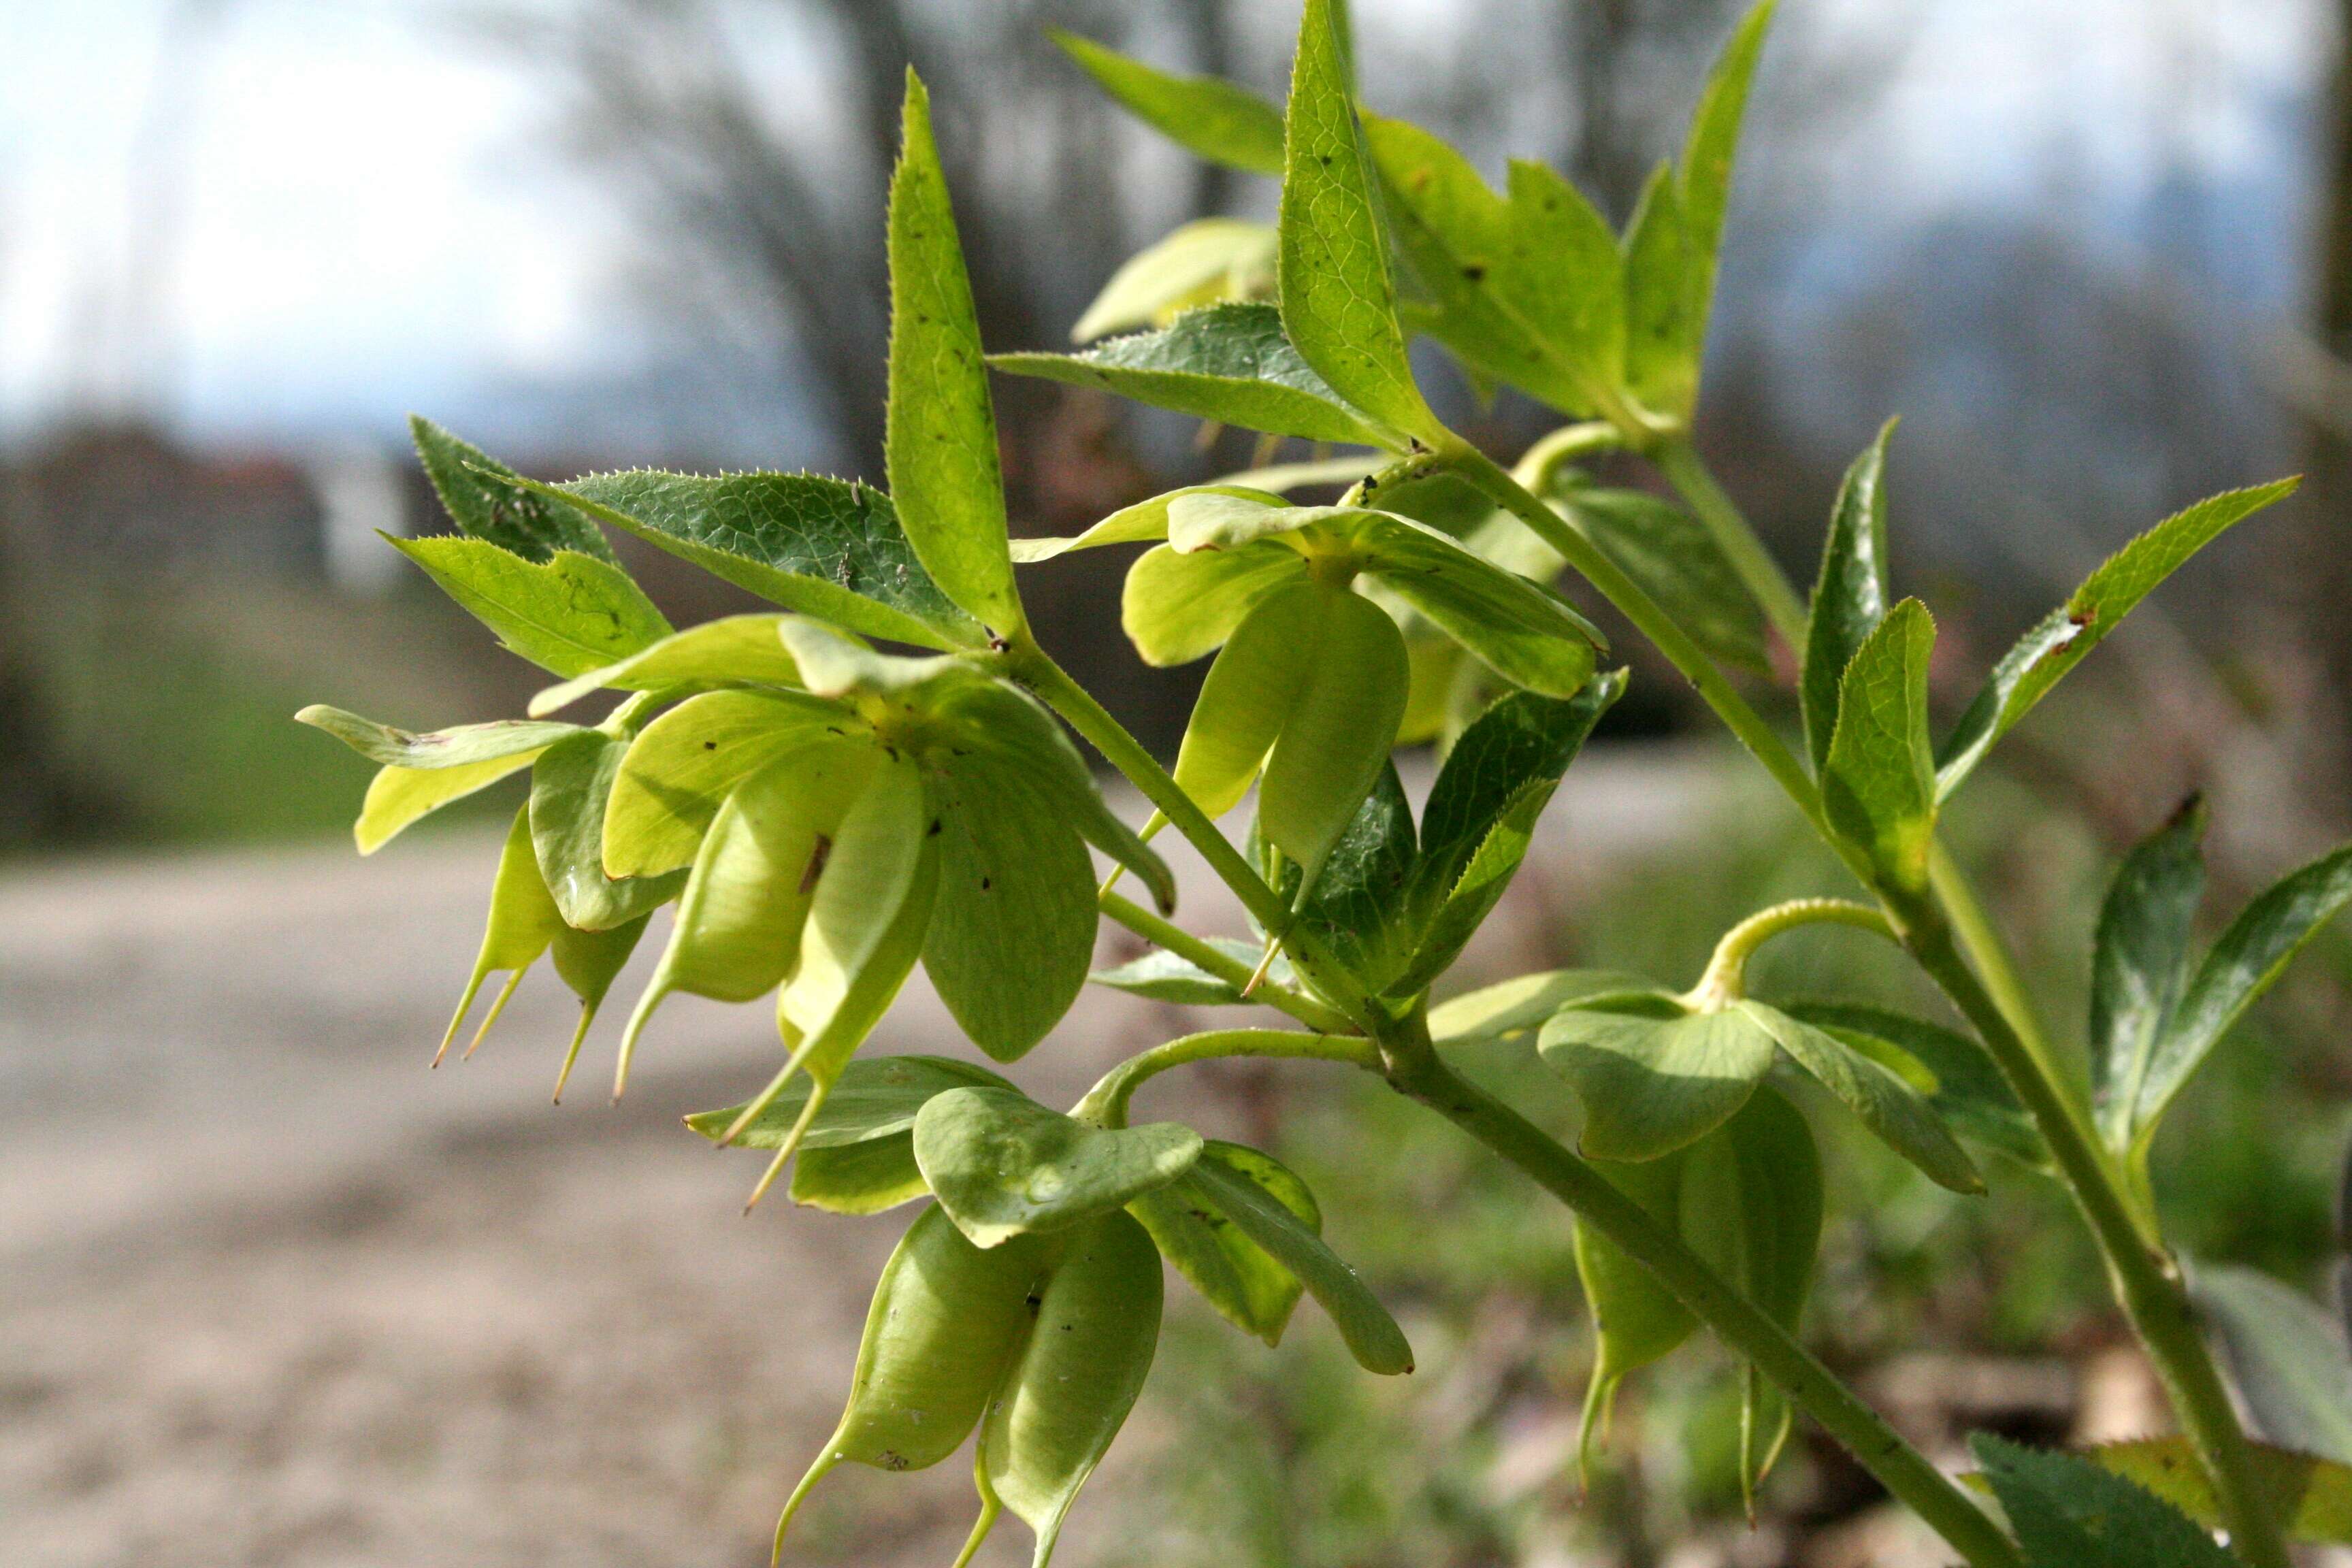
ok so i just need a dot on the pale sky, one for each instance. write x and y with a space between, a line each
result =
369 220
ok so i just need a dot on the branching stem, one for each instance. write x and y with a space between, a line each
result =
1231 970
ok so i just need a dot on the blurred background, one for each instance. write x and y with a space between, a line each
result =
268 1295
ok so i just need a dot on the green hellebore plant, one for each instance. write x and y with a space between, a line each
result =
821 816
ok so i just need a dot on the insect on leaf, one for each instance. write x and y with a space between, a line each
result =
2061 641
941 447
1212 117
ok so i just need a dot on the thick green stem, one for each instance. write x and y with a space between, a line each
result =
2147 1282
1726 980
1415 1070
1980 940
1231 970
1648 618
1679 461
1106 1104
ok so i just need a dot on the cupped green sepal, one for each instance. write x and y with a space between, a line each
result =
1654 1077
1003 1165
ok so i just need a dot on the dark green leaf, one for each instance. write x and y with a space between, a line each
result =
1892 1110
2068 1512
454 748
941 447
1213 118
1850 594
1677 562
874 1098
2312 1497
1231 363
1878 786
826 547
2288 1355
1013 931
1338 306
2043 655
1371 1335
487 500
1525 635
1357 905
570 613
2139 963
1482 810
1236 1276
2244 961
1653 1084
1969 1093
1001 1165
1565 278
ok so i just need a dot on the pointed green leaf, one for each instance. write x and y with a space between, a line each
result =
1636 1318
487 501
1208 261
1013 931
1356 907
734 650
1677 562
1231 363
1664 334
1565 277
1003 1164
941 443
1707 155
570 613
683 764
1339 733
875 1097
1891 1109
1657 1079
1454 233
2139 963
523 920
466 744
569 786
2068 1512
399 796
1146 521
1970 1094
1850 594
2312 1497
1508 1010
1527 635
1337 305
1212 117
822 546
1751 1206
2246 960
1237 1276
1878 786
2043 655
2288 1357
1373 1336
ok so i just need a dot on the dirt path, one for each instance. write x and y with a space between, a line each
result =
272 1294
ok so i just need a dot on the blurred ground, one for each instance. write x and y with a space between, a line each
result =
271 1293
